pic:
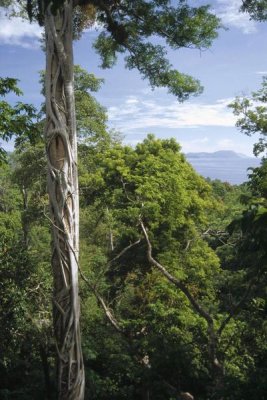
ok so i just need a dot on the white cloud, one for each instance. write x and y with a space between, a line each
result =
19 32
135 114
261 72
225 144
132 100
203 144
195 145
228 11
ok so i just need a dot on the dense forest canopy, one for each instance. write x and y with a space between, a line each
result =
172 267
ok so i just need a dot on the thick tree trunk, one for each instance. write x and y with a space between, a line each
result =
61 147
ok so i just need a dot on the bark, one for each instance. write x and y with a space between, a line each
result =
61 147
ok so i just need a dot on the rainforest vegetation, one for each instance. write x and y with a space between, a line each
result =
144 211
172 266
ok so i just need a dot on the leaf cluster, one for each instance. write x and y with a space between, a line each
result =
252 113
131 27
20 120
257 9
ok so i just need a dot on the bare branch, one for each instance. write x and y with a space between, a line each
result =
106 309
174 280
125 190
144 361
52 223
188 245
124 250
218 234
196 306
100 299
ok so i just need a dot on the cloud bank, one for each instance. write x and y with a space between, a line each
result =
19 32
228 11
136 113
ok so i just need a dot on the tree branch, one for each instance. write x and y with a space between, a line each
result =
124 251
101 301
196 306
114 322
174 280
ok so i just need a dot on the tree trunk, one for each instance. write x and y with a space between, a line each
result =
61 147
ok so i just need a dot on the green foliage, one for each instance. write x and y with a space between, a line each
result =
257 9
149 59
18 120
243 289
25 313
258 180
153 181
164 347
253 116
27 348
8 85
249 230
129 26
90 115
118 185
230 200
253 225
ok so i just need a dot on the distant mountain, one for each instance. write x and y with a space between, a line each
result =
218 154
226 165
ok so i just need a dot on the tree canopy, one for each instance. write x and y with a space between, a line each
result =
18 121
252 113
257 9
131 28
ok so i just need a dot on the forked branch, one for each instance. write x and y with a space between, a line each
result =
103 304
124 251
175 280
181 286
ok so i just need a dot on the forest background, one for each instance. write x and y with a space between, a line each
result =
173 267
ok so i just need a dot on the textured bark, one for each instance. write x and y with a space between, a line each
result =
61 147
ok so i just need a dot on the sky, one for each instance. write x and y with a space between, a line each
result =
234 65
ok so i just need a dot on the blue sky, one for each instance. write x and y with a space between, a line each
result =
233 66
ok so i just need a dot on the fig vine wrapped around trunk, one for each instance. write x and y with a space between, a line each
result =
61 147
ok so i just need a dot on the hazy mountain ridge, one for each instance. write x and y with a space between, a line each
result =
226 165
219 154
